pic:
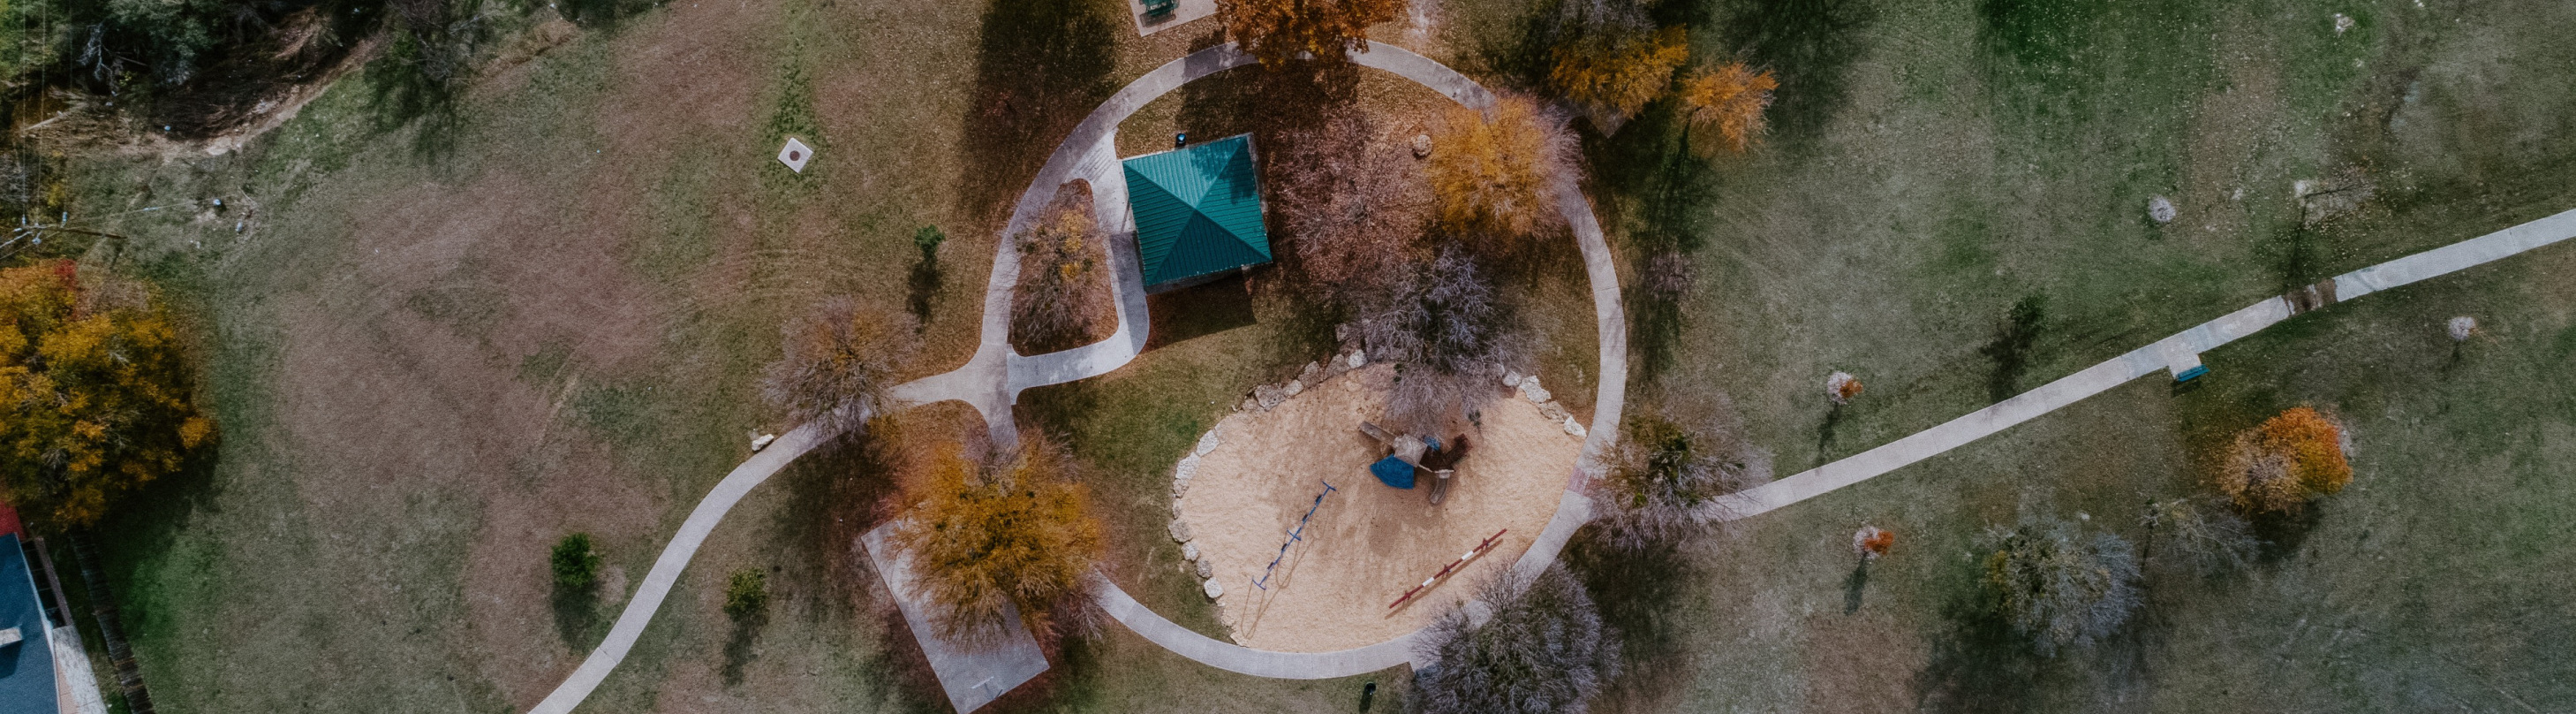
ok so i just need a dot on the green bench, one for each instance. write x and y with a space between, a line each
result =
1160 8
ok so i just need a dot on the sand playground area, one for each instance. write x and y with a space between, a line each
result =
1367 543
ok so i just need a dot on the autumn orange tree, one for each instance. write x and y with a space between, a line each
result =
1722 107
1277 31
95 397
1615 75
1495 173
1011 531
2289 460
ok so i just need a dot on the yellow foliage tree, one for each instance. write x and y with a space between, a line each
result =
1015 532
1277 31
1723 107
1617 74
2288 460
94 393
1495 172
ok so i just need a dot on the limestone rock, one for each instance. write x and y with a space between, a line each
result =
1190 551
1180 531
1268 396
1575 428
1207 571
1531 391
1249 405
1209 441
2161 209
1358 359
1212 589
1182 473
1511 378
1308 374
1553 411
1295 387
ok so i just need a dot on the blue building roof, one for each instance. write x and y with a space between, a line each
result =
1198 210
27 667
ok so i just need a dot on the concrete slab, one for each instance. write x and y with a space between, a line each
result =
972 674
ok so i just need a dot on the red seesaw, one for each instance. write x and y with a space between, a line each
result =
1452 567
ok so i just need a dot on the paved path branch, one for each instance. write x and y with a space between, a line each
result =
2171 354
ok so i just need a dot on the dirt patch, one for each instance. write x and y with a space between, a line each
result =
1367 543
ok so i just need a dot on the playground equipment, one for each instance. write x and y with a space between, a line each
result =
1452 567
1408 454
1297 534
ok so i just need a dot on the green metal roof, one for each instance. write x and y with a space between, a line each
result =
1198 210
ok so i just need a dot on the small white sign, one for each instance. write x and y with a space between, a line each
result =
795 155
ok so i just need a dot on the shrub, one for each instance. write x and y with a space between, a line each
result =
1615 75
2059 587
1722 107
2290 459
1063 296
1534 647
1277 31
746 593
1014 532
1663 481
840 359
95 393
1870 542
576 563
2204 535
1496 174
1445 331
928 239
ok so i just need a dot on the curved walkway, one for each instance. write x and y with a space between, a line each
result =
2172 354
992 380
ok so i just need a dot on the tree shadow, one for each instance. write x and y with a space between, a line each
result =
411 86
2283 533
1979 664
1638 593
1825 434
577 616
1039 68
739 650
2011 347
923 284
1855 587
1810 44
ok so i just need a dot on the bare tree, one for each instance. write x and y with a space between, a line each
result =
839 361
1538 646
1444 330
2060 587
2201 531
1664 481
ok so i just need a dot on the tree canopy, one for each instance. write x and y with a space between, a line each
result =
839 360
2291 458
2060 587
1495 173
1723 107
983 537
1278 31
1538 646
95 396
1615 75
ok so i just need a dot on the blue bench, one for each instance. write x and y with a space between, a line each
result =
1160 8
2196 372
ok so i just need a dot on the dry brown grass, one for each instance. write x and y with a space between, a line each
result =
1063 299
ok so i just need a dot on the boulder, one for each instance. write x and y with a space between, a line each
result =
1190 551
1180 531
1531 391
1575 428
1511 379
1206 571
1295 387
1308 374
1268 396
1209 441
2161 209
1212 589
1553 411
1358 358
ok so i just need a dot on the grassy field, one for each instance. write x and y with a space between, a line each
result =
433 353
1933 164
